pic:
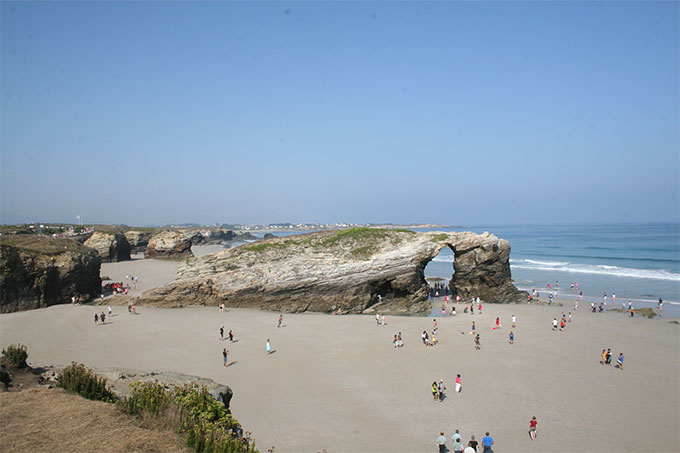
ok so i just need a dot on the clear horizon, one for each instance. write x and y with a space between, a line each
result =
250 113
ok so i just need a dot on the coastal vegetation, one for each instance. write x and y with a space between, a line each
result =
361 240
191 410
14 356
76 378
35 244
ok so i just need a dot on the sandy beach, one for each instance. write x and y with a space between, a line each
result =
337 382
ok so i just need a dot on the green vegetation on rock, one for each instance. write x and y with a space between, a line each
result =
78 379
191 410
14 356
36 244
441 237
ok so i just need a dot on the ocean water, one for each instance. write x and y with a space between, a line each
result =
638 262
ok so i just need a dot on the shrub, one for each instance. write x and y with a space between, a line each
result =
78 379
193 410
15 356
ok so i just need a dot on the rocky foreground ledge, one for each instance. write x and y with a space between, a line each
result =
345 269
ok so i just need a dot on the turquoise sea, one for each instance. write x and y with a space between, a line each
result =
638 262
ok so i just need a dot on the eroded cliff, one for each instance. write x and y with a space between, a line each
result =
345 269
39 271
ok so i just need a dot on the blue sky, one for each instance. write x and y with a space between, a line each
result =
448 112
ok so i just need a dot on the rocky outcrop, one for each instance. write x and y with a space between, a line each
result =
345 269
40 271
210 236
111 247
269 236
138 240
169 245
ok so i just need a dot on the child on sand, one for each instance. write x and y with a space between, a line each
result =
511 337
269 347
280 320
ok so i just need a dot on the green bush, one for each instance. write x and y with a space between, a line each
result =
78 379
15 356
208 426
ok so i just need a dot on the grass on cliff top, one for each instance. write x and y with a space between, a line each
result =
439 237
348 236
39 244
42 420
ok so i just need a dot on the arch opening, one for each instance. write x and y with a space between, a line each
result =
438 273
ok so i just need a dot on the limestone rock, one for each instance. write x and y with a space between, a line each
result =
111 247
40 271
345 269
169 245
138 240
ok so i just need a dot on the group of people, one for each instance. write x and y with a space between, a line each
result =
438 389
100 319
116 288
563 322
607 358
457 443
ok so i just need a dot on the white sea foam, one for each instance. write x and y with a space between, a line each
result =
596 269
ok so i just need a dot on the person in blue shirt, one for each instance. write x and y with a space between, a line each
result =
487 441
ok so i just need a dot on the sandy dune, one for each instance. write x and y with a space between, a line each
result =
337 382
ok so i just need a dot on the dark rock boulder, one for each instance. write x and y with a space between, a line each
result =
269 236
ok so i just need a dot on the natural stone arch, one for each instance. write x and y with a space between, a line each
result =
346 269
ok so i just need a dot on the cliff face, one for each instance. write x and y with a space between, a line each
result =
111 247
346 269
170 245
39 272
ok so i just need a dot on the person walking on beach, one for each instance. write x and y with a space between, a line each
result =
435 391
110 310
456 436
487 442
221 333
630 304
604 357
569 316
619 361
395 341
440 390
103 317
458 386
532 428
457 446
400 341
96 319
225 354
562 324
514 321
473 443
660 304
511 337
498 322
554 324
474 328
608 354
280 320
231 336
377 319
441 443
269 347
478 344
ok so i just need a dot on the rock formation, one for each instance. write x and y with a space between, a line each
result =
345 269
138 240
269 236
210 236
169 245
39 271
111 247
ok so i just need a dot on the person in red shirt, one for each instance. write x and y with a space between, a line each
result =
532 428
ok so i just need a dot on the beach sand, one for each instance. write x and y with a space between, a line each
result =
336 382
